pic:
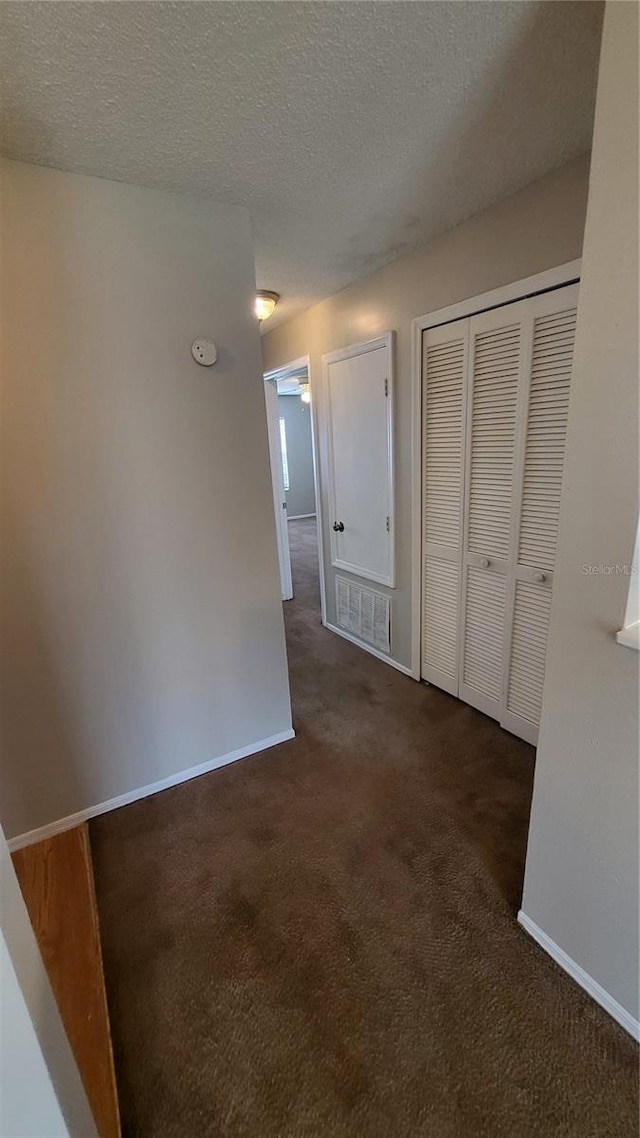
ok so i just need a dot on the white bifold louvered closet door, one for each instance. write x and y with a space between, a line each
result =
495 403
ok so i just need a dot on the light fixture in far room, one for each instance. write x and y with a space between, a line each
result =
265 303
305 392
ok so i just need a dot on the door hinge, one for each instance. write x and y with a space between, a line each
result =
388 524
386 388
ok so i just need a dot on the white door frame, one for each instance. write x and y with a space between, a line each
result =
506 294
277 483
280 373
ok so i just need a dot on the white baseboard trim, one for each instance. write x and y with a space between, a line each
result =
369 648
298 517
595 990
81 816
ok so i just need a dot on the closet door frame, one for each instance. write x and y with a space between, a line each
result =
564 274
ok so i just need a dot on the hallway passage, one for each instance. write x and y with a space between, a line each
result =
320 941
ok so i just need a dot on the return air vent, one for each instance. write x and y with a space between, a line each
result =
364 613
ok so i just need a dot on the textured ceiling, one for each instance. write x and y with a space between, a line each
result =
352 131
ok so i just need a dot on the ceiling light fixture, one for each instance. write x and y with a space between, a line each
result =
265 303
305 393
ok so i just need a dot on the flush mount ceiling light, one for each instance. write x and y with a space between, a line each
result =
305 394
265 303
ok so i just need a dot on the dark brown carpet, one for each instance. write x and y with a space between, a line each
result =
320 941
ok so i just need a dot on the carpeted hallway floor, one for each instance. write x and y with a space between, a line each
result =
320 941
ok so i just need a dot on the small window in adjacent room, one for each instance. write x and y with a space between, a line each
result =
283 451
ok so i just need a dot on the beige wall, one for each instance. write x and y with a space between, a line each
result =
142 626
581 885
536 229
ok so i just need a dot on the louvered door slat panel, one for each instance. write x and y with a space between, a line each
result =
528 650
440 616
444 387
553 337
496 354
484 631
442 442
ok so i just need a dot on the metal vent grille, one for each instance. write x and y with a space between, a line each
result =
364 613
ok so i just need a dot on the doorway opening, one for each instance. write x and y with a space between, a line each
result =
292 434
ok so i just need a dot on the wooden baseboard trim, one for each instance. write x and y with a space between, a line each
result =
81 816
370 649
595 990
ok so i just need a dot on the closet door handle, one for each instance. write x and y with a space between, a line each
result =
539 578
484 562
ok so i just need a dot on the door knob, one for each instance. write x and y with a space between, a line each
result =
540 578
484 563
338 527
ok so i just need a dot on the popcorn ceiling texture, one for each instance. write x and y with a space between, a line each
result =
352 131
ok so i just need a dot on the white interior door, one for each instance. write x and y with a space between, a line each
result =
551 320
495 400
359 401
277 480
495 367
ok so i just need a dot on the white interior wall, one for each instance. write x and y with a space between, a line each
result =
581 885
537 229
141 622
